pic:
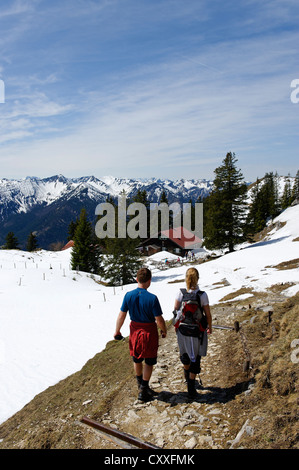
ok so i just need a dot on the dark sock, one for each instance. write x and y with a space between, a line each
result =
144 383
139 379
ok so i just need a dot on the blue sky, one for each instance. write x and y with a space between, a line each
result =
147 88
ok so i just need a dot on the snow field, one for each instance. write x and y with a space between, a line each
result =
53 320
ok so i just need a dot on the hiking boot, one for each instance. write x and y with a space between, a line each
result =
192 393
145 393
140 383
152 392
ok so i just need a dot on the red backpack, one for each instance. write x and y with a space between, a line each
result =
193 321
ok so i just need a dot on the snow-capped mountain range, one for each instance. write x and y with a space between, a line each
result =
47 205
18 196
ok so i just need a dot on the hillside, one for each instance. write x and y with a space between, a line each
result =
254 409
55 342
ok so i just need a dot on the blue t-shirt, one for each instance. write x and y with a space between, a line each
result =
142 305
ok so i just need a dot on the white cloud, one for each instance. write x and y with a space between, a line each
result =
38 105
18 7
178 112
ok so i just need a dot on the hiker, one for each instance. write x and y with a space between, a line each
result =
146 315
192 347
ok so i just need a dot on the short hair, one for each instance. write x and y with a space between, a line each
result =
143 275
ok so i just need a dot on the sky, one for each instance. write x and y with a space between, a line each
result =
148 88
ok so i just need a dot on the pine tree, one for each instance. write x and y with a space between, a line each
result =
270 194
286 198
72 229
121 260
11 242
32 242
142 198
224 217
256 218
164 199
265 204
295 190
85 256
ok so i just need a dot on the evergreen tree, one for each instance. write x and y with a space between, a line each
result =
163 197
142 198
270 193
109 200
286 198
256 216
11 242
85 254
295 190
32 242
265 204
122 259
72 229
224 217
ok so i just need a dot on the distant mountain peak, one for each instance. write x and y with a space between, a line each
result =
48 205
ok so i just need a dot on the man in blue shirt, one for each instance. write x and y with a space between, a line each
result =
145 315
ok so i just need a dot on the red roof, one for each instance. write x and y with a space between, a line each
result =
182 237
70 244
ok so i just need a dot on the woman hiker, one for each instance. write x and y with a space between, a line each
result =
192 347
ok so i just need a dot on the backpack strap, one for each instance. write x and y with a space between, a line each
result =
198 295
204 321
187 295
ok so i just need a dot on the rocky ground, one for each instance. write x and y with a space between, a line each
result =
215 418
239 405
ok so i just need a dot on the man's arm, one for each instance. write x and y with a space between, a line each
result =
161 324
119 322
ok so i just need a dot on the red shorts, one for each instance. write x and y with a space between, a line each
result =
143 340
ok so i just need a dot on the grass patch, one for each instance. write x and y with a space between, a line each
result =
278 288
292 264
233 295
265 232
177 281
